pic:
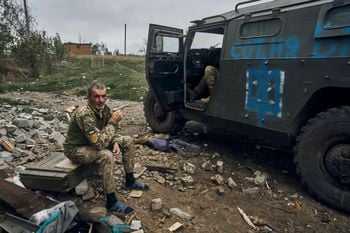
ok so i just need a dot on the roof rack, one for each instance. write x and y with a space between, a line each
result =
214 16
244 3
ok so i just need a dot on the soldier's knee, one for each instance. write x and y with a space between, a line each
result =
107 155
209 70
129 141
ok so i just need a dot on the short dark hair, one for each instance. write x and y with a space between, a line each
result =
95 84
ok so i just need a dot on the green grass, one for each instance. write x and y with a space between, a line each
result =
124 76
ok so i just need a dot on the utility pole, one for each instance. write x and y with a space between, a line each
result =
27 17
125 39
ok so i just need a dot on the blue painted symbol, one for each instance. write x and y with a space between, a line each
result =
264 90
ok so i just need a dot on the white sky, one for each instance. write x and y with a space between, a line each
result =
103 20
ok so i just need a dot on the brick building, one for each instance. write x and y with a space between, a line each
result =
74 49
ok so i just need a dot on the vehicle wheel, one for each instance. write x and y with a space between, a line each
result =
159 120
322 157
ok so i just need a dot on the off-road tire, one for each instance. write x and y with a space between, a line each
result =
316 160
159 120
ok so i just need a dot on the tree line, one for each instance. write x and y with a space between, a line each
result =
23 49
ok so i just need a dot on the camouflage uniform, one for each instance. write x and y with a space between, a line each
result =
211 74
90 138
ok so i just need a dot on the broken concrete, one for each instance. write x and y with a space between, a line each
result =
82 188
156 204
181 214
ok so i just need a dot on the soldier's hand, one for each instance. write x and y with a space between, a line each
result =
116 116
116 149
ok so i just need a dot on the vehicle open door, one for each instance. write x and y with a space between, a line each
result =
164 66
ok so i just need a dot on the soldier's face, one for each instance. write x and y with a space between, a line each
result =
98 98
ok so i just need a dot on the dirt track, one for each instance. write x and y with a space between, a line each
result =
282 204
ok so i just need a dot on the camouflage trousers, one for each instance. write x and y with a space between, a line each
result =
104 159
208 81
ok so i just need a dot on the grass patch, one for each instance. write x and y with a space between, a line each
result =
124 76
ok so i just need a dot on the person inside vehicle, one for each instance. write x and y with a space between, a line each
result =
93 137
209 79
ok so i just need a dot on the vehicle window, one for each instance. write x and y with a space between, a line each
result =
166 44
205 40
262 28
337 17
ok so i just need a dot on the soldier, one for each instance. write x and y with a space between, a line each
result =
92 138
211 74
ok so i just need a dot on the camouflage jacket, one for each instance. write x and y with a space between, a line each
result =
90 127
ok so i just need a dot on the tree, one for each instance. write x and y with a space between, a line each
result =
33 49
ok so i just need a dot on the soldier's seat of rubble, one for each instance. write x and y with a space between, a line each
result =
54 173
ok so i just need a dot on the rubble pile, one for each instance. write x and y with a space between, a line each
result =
27 134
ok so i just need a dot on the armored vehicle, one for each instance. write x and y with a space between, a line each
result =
283 76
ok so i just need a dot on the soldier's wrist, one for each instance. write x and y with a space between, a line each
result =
112 122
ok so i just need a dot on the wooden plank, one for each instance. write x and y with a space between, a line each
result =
23 201
53 160
66 164
45 160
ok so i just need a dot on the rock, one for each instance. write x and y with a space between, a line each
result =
62 127
135 225
90 193
114 220
25 116
161 180
136 193
139 170
3 132
11 128
23 123
82 188
6 156
156 204
220 190
251 191
6 116
21 138
189 168
181 214
36 113
187 181
30 141
176 226
17 132
43 110
57 137
41 124
20 153
206 166
218 179
230 183
4 170
220 166
260 178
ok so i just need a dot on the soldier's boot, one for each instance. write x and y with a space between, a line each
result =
132 184
113 205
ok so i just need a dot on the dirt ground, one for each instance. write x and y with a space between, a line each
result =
281 203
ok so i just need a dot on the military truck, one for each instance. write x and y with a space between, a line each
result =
284 77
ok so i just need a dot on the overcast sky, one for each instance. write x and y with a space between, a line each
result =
103 20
